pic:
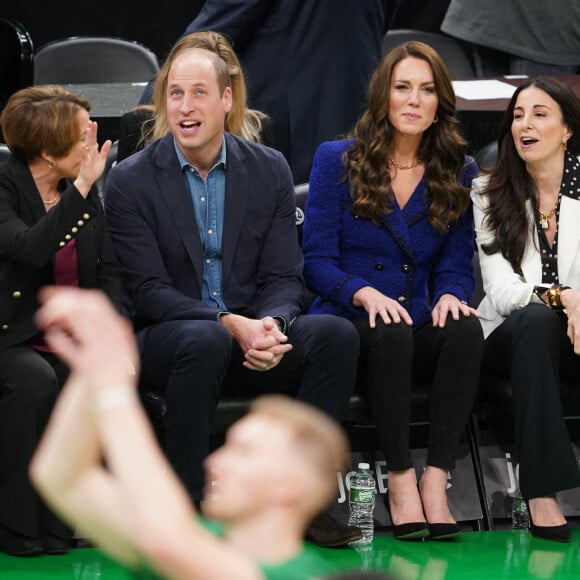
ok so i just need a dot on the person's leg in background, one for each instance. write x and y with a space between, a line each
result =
326 349
28 390
319 370
526 348
451 358
386 361
187 360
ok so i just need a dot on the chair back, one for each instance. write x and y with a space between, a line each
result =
16 62
94 59
301 191
487 155
4 152
131 131
449 49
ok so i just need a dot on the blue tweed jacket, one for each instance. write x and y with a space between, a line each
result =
404 257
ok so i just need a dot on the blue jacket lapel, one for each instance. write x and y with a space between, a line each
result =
399 222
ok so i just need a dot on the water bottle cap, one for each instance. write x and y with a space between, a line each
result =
364 466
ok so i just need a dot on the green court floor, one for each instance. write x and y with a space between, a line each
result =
476 555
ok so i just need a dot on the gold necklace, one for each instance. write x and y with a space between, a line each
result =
545 217
400 166
51 201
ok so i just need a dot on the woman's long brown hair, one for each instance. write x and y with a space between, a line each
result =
442 148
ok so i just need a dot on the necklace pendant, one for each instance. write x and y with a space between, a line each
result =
544 223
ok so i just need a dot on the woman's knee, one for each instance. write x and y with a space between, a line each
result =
390 337
34 382
536 322
464 329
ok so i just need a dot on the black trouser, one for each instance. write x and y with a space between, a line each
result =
29 385
190 361
396 355
532 350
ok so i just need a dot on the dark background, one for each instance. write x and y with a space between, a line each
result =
157 25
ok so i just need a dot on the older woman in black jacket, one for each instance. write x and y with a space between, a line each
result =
52 231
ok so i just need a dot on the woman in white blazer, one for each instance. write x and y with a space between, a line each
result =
527 223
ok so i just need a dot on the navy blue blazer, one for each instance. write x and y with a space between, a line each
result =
404 257
307 63
152 222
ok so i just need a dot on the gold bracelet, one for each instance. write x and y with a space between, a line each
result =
554 296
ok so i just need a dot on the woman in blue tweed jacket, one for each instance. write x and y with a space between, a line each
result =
388 243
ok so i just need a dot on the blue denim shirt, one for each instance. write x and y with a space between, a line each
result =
209 206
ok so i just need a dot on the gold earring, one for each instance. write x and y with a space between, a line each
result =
435 120
565 144
51 164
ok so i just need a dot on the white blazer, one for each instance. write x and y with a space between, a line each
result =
506 291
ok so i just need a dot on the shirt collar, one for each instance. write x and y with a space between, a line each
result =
185 164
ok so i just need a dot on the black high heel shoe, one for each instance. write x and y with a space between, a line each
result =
441 531
559 533
411 531
444 531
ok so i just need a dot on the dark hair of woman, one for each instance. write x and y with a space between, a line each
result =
442 147
510 185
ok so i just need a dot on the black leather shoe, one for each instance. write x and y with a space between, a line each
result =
444 531
54 545
16 544
325 531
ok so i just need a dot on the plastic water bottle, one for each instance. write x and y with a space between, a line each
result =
520 515
362 503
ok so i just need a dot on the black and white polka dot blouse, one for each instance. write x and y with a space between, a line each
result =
569 187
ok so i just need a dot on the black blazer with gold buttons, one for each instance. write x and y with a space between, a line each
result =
29 239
